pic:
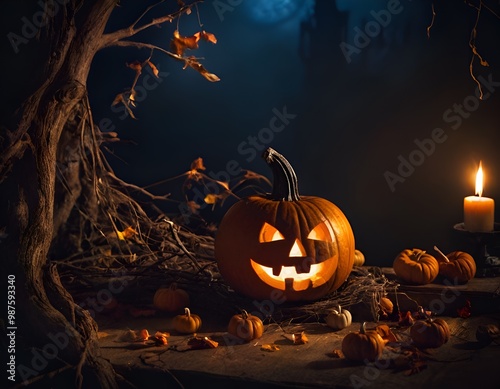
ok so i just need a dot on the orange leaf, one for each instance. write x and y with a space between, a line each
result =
270 347
200 69
180 43
336 353
197 164
209 37
224 184
211 198
299 338
143 334
154 69
385 332
406 320
136 65
118 99
161 338
198 342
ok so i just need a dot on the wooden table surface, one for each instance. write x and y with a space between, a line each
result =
460 363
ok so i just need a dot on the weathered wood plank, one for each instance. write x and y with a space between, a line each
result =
445 297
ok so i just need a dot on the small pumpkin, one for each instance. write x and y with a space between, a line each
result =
298 248
430 333
171 299
416 267
457 266
339 318
246 326
359 258
188 323
363 345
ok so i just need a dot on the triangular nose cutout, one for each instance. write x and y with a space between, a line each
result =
297 249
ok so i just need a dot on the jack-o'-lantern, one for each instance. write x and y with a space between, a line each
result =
284 246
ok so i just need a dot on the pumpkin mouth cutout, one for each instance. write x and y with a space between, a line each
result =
288 277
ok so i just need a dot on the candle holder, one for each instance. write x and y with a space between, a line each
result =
487 265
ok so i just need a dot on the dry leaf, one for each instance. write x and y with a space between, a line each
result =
143 335
211 198
118 99
193 62
198 343
406 320
127 233
161 338
197 164
101 334
209 37
136 65
337 353
299 338
224 184
250 175
153 68
269 347
180 43
385 332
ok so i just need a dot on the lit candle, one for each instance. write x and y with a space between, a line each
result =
479 212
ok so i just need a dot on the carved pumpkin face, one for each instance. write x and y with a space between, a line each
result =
302 248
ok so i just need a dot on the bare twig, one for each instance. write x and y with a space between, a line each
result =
113 38
432 21
472 45
181 245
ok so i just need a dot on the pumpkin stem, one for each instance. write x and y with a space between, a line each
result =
362 329
417 254
285 184
340 309
422 312
244 314
442 254
187 312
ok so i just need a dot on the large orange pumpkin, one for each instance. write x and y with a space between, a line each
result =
283 246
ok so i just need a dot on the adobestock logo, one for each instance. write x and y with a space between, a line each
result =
223 6
30 28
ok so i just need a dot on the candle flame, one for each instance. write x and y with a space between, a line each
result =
479 180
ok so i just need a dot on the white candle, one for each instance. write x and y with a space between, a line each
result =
479 211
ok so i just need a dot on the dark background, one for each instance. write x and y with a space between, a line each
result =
353 119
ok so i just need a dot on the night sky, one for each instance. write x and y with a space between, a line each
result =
352 108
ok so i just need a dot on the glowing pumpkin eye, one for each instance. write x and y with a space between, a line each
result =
323 231
268 233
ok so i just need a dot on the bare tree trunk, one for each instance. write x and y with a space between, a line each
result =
46 315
